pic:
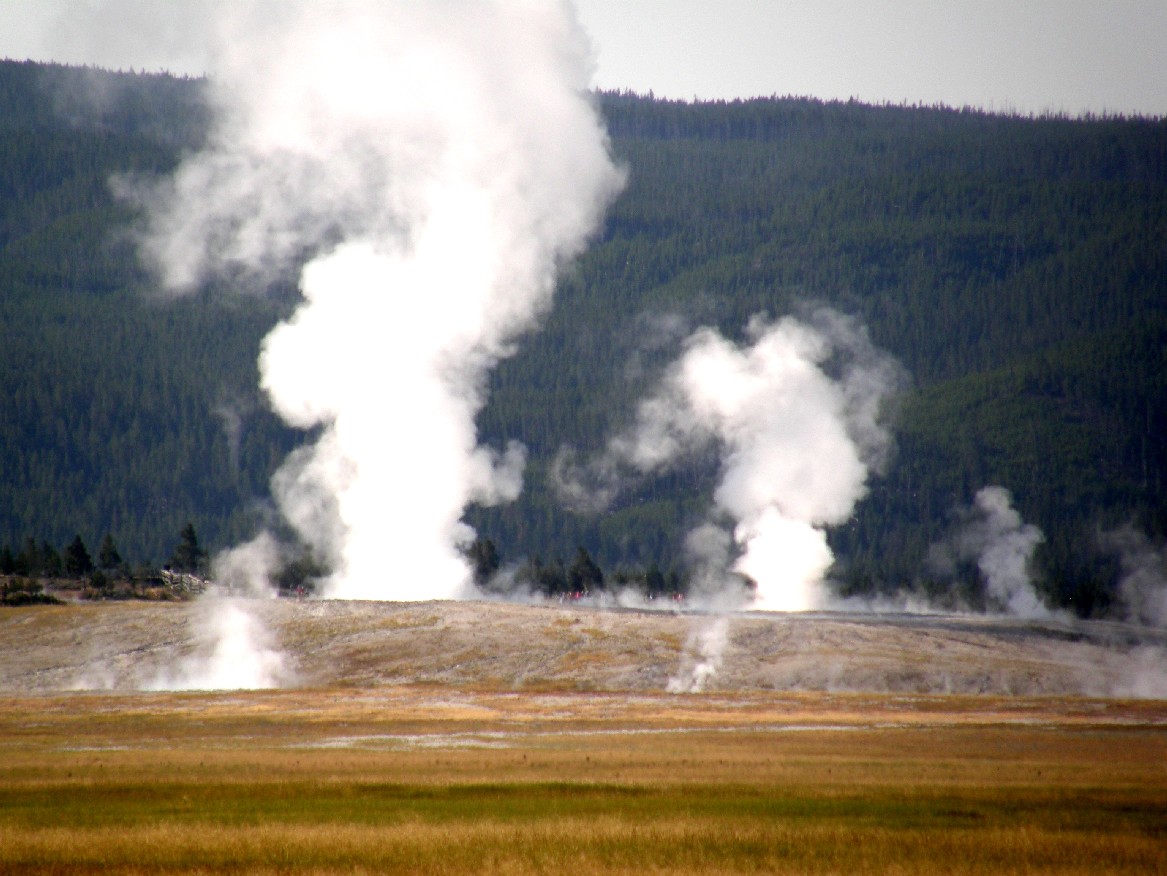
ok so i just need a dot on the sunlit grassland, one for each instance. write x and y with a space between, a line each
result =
430 780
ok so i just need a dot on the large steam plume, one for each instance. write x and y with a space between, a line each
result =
431 164
797 414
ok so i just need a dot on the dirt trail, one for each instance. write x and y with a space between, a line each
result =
502 646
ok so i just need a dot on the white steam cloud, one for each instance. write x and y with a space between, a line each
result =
234 651
434 163
704 652
250 568
797 415
1002 545
1142 586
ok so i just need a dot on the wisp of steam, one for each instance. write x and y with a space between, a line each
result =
704 652
430 165
993 535
1142 586
234 651
797 413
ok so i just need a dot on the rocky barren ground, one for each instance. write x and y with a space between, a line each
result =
504 646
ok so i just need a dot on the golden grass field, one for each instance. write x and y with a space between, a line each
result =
429 779
461 738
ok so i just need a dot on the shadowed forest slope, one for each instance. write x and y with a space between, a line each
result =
1016 267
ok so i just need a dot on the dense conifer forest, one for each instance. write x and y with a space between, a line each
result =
1016 267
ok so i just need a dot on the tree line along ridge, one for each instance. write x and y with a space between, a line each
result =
1015 267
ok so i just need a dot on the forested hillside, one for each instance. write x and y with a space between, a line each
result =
123 413
1016 267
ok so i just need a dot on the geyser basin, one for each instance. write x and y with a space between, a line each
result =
507 647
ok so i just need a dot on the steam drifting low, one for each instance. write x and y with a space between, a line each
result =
234 651
431 164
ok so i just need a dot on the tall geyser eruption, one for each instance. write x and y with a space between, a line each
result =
431 165
797 414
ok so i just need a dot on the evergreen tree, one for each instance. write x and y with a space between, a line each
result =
550 579
654 580
77 559
29 561
188 555
298 577
584 575
484 560
51 565
107 555
553 578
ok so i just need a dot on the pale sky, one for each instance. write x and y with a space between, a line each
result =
1019 55
1023 55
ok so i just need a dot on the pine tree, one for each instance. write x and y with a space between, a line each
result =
188 555
484 560
29 560
654 580
107 555
77 559
584 575
51 564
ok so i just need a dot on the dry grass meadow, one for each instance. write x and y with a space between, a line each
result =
482 776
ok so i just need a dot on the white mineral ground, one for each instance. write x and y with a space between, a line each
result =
513 647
